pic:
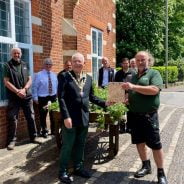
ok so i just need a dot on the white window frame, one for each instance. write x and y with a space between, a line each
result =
12 38
96 54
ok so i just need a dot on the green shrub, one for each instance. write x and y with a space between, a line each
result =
172 73
180 64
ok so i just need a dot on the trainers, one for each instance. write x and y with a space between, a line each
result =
11 145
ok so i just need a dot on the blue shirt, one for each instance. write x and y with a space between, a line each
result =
41 86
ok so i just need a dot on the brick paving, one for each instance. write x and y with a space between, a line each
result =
38 164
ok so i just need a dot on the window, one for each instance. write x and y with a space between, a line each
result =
15 31
4 18
96 52
22 21
4 56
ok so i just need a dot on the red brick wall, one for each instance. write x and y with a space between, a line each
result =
3 127
49 35
87 14
97 14
21 129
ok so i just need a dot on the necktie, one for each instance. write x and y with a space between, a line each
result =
49 84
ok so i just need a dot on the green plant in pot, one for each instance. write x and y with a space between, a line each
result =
114 112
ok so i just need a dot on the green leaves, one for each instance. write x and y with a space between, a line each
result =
54 106
141 26
116 111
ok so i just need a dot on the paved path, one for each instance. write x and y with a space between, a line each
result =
38 164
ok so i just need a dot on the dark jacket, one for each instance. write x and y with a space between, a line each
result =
121 76
18 79
110 76
72 104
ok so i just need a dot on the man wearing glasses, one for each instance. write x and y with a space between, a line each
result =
45 90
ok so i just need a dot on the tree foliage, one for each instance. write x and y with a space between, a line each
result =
141 26
176 30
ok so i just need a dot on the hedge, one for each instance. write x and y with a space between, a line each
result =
172 73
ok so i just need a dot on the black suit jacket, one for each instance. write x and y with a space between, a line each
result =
121 76
72 104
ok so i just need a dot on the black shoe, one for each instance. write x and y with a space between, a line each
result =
11 145
162 180
146 169
82 173
128 130
45 135
142 172
65 178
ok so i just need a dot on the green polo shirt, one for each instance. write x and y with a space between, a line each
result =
145 103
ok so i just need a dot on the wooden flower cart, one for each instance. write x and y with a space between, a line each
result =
113 131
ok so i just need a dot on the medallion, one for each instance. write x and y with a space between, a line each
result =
80 83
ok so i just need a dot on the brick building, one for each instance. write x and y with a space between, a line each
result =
56 29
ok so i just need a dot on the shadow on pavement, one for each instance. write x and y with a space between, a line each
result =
43 161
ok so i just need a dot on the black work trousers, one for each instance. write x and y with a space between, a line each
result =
12 116
42 102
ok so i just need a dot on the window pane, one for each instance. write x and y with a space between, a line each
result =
5 18
99 63
94 42
5 50
22 28
99 43
25 55
94 69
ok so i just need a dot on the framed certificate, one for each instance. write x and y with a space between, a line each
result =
115 92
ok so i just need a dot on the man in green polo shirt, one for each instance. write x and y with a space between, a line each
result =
143 100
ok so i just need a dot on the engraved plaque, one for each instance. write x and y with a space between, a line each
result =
115 92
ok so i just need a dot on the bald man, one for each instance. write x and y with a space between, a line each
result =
144 101
106 73
18 82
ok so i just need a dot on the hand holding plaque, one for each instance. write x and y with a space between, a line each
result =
115 92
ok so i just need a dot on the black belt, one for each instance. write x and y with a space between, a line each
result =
143 113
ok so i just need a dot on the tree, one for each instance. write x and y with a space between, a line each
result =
140 26
176 30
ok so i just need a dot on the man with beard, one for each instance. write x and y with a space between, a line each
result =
144 101
18 82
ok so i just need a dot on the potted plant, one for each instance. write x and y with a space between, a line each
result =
111 115
57 118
